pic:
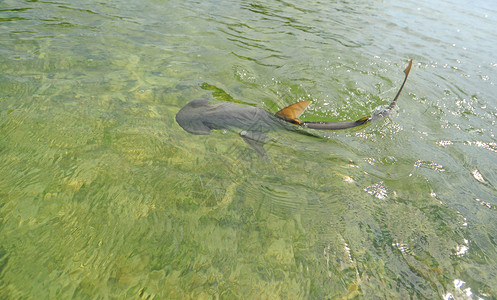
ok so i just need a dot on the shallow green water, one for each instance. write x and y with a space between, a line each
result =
103 195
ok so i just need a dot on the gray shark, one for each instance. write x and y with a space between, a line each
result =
199 117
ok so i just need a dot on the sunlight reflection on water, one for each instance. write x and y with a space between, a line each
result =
102 195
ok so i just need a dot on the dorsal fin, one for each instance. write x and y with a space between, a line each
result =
292 112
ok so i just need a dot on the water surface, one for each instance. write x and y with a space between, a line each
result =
103 195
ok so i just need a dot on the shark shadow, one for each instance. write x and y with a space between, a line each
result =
198 117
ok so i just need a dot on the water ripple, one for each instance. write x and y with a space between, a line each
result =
90 151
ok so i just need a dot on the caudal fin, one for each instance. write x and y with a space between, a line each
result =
392 105
350 124
406 71
292 112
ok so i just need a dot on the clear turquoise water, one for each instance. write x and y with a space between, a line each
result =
103 195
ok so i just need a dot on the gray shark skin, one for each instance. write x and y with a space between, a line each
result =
199 117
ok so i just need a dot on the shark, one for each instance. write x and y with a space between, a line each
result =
199 117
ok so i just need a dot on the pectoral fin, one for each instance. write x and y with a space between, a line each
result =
256 141
292 112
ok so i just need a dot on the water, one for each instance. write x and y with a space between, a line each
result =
103 195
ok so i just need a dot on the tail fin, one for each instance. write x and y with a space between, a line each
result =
350 124
392 105
292 112
406 71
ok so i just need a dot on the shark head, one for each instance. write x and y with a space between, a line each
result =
189 117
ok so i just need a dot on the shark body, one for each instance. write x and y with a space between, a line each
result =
199 117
